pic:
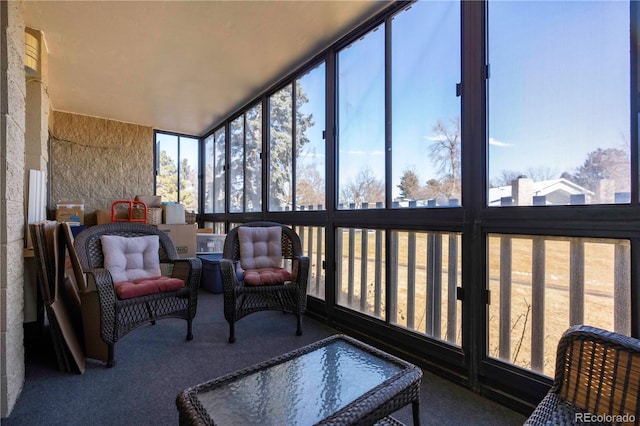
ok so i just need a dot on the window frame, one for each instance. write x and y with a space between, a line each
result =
156 164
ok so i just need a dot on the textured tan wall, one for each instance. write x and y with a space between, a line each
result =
12 145
99 161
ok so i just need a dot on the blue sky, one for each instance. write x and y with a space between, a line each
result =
559 86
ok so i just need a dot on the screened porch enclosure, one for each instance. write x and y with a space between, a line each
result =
462 175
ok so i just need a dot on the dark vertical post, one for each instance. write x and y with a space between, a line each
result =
351 259
411 279
319 253
364 263
452 285
505 298
537 303
430 299
377 302
310 253
576 281
392 295
436 306
339 290
622 288
380 259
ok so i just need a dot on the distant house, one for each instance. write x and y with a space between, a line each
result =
546 192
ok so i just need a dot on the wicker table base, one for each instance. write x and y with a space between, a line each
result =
336 381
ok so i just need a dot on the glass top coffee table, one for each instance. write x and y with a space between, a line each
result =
335 381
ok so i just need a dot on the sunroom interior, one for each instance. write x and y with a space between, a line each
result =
463 175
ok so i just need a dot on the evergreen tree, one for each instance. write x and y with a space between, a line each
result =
409 185
188 186
167 179
280 167
253 159
236 166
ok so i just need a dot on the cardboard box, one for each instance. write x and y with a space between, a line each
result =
94 346
70 212
150 200
103 216
183 237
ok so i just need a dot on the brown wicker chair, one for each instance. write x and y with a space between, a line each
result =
241 299
597 378
120 316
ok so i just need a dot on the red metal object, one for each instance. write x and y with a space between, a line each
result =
131 205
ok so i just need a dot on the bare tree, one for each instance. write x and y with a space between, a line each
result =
541 173
505 178
309 187
537 174
365 189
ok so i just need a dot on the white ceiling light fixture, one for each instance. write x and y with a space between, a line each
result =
31 53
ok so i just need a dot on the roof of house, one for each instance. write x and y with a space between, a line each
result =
539 188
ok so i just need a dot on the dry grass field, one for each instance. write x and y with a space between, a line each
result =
599 265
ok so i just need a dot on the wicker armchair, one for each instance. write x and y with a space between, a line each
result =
241 299
120 316
597 378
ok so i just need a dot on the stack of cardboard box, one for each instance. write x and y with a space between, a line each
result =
181 233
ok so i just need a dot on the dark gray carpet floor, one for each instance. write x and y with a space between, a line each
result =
155 363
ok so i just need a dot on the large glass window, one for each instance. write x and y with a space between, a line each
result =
425 61
253 156
236 162
361 122
177 169
310 140
214 148
559 130
281 149
245 171
219 170
302 163
209 152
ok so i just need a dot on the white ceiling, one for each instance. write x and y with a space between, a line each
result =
180 66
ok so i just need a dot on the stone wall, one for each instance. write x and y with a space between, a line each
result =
99 161
12 166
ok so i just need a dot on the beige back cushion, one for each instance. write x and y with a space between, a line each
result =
131 258
260 247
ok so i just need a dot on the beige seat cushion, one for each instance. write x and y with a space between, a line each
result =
147 286
266 276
